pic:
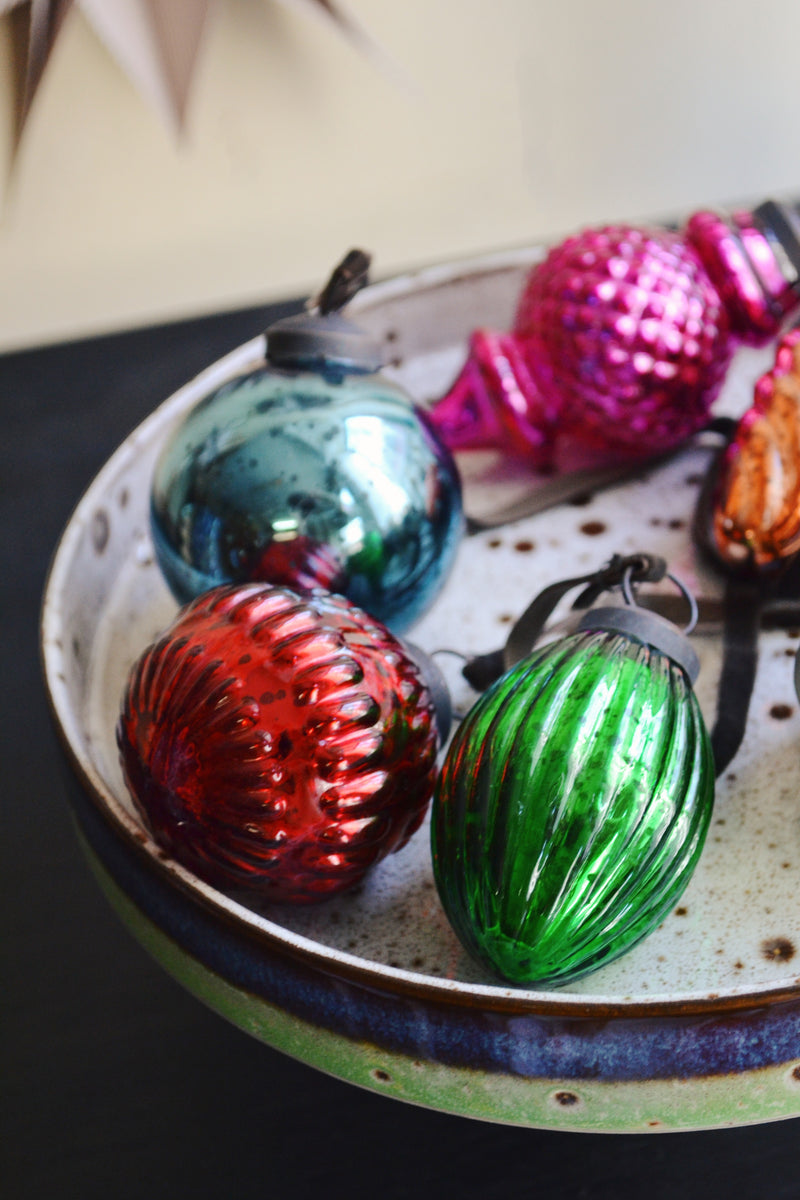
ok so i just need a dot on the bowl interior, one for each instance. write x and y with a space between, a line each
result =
736 930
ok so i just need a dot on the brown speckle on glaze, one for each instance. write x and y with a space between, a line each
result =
524 546
778 949
505 619
124 497
381 1076
494 542
681 910
566 1099
100 530
593 528
781 712
796 1074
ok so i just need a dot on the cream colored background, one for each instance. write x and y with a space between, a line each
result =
499 123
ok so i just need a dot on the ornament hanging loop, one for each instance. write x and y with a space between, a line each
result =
630 597
349 277
482 670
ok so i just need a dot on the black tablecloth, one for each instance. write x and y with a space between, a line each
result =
116 1083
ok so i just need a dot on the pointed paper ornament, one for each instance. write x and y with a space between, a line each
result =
156 42
35 26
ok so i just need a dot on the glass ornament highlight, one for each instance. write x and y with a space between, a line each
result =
278 744
623 336
574 802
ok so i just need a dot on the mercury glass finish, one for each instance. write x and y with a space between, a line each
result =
276 744
572 808
755 519
309 479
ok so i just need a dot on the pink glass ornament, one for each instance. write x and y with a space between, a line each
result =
623 336
278 744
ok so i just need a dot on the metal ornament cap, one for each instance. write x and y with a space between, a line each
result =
650 629
312 341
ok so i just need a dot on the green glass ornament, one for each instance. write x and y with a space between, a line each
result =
574 800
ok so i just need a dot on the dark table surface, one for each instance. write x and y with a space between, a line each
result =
115 1082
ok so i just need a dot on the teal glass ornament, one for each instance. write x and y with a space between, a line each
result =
574 800
313 470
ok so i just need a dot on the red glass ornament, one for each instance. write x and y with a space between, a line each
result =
756 505
622 337
278 743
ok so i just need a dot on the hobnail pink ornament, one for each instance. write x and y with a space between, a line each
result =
623 336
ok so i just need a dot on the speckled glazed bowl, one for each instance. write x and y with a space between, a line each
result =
699 1026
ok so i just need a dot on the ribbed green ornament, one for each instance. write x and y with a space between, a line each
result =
572 807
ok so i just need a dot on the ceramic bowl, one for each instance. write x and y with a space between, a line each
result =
698 1026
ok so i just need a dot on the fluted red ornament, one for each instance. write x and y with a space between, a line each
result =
278 744
623 336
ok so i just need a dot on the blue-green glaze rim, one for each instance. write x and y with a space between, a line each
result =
496 1031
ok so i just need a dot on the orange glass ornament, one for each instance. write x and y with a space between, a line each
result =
756 509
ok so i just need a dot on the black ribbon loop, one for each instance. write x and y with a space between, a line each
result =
482 671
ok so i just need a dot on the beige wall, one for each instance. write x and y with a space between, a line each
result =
500 123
